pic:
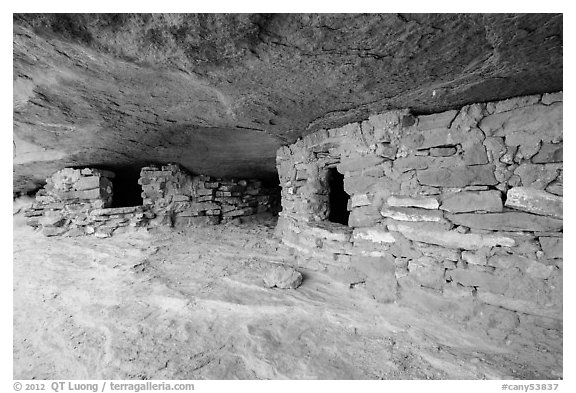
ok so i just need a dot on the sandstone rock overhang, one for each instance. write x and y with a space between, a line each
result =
220 93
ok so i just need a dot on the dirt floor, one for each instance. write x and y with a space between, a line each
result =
191 304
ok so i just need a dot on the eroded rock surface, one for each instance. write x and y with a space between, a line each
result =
99 308
219 94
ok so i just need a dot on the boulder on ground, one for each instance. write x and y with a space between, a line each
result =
284 277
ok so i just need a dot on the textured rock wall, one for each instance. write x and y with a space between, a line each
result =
180 199
464 207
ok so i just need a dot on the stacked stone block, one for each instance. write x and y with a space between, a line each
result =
465 205
75 202
180 199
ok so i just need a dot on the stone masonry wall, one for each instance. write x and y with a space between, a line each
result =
76 202
180 199
460 211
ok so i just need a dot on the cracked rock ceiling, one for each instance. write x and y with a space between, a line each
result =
220 93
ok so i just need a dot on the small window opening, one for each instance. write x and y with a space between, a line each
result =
337 198
127 191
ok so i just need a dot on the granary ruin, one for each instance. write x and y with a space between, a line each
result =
78 202
465 205
413 162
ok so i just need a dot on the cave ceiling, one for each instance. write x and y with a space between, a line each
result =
219 93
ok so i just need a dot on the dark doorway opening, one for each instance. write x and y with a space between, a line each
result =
127 191
337 198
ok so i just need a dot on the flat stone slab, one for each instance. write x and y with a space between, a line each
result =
477 175
436 120
284 277
116 210
550 98
364 216
469 201
534 201
98 172
412 214
539 122
358 200
507 221
329 231
363 184
376 235
438 252
451 239
424 202
95 193
88 183
475 258
358 163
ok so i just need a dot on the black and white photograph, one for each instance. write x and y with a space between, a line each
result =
217 196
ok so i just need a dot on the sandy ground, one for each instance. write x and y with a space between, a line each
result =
191 304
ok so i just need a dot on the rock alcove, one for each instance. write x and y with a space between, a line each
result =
415 157
219 94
